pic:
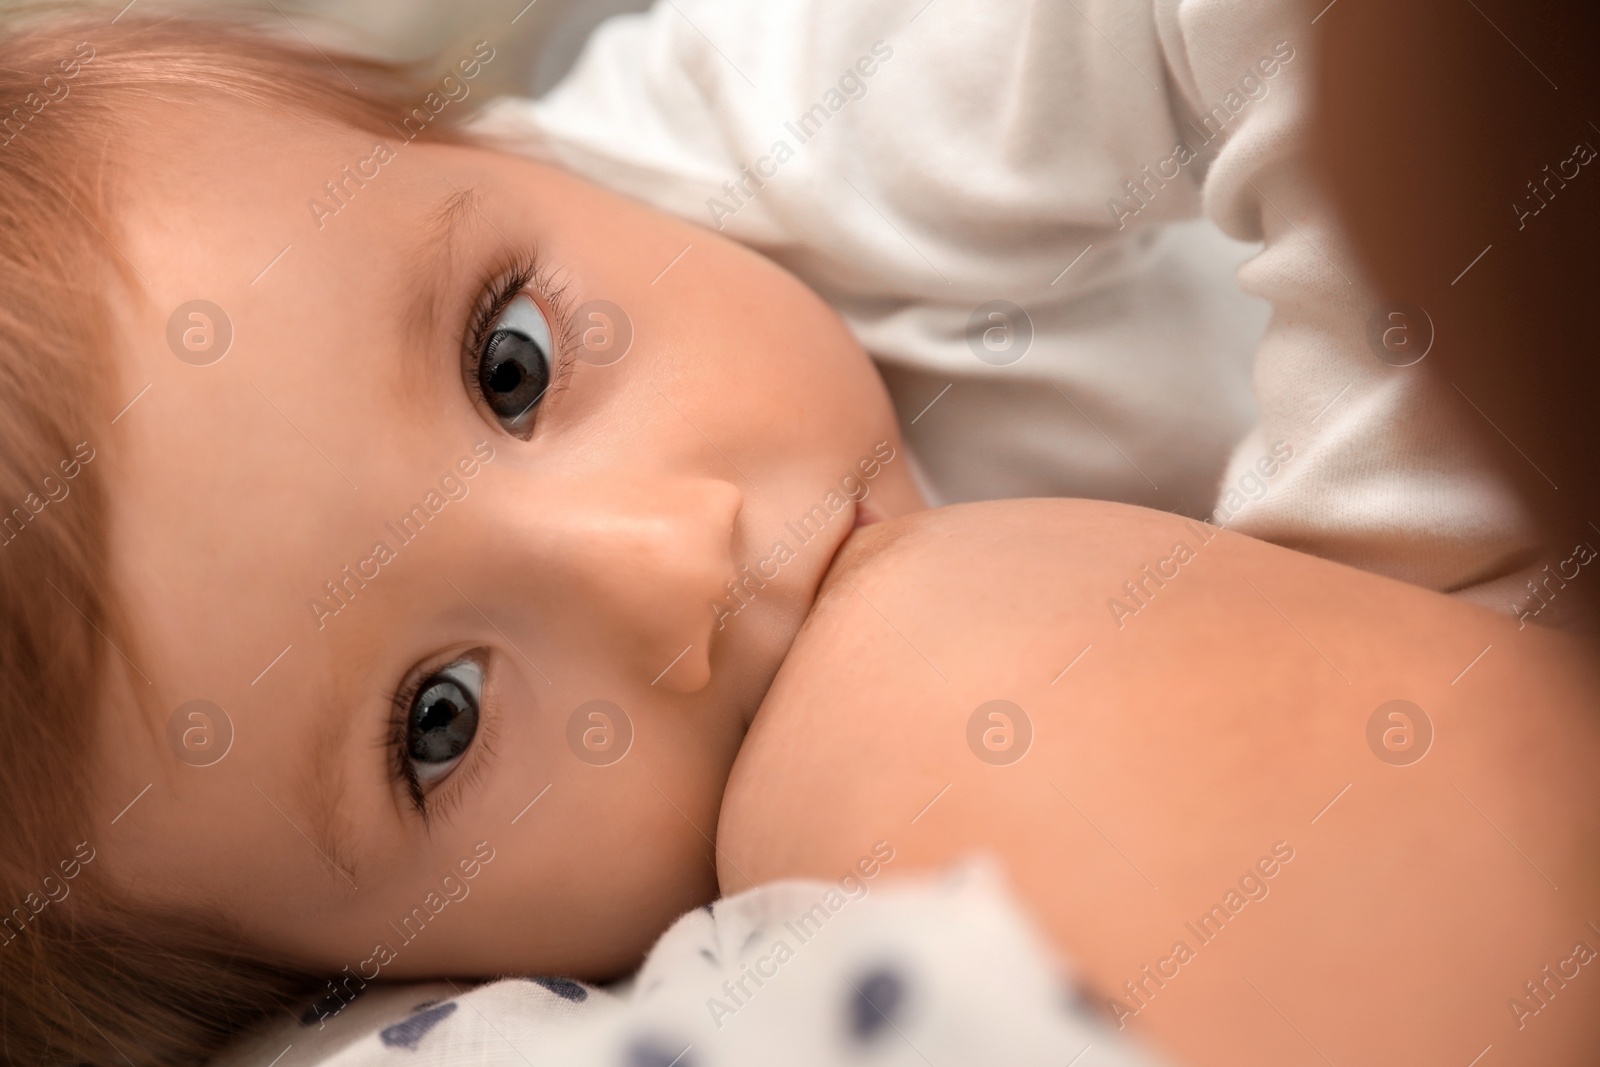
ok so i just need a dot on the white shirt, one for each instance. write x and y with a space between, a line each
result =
915 161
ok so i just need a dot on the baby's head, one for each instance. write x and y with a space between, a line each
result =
399 536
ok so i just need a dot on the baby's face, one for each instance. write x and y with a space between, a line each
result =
422 513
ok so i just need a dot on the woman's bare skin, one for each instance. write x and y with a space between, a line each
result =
1226 719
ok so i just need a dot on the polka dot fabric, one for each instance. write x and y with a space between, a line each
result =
943 971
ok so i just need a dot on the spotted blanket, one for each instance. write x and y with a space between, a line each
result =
944 971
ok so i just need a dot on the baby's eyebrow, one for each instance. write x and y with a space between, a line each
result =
434 257
322 789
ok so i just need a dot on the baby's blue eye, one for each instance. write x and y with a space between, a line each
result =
515 366
443 719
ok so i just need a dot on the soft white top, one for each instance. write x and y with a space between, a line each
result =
916 160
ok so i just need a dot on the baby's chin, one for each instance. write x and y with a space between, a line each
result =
750 671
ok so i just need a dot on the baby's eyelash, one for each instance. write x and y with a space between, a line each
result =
526 272
462 778
400 770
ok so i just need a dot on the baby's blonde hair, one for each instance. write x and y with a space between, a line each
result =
85 976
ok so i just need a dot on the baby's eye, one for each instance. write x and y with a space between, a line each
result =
442 721
515 365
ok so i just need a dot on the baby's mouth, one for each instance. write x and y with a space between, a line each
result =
864 516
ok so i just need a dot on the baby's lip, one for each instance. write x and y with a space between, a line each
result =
864 516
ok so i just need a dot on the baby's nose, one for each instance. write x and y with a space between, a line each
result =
647 558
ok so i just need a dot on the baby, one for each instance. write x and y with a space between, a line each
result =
348 543
397 519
